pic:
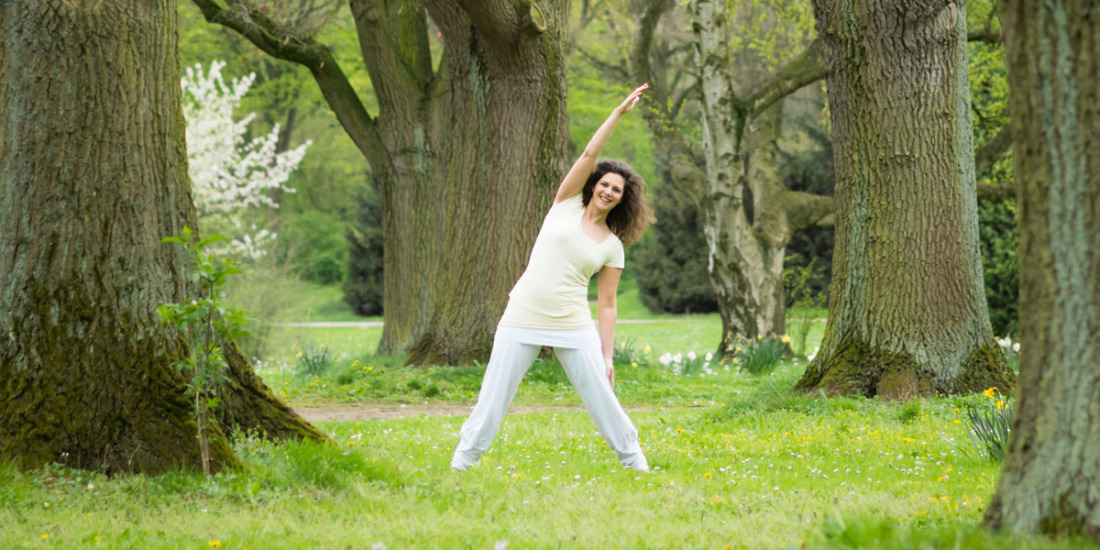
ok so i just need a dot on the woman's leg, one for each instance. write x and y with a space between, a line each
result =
508 363
587 371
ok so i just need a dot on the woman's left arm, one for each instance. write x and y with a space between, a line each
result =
607 313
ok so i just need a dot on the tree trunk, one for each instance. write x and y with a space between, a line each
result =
466 156
476 162
740 148
907 311
1051 476
94 177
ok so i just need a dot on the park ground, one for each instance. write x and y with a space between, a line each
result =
739 461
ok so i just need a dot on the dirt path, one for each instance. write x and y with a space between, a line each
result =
381 411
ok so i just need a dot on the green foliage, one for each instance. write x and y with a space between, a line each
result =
363 288
810 250
999 243
319 250
798 281
991 424
630 352
671 271
315 359
760 355
207 325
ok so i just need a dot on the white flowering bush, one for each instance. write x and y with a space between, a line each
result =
230 176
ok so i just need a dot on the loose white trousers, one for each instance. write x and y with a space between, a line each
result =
514 350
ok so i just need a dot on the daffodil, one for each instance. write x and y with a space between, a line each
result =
990 393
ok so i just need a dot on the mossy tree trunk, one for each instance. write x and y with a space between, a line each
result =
466 154
740 133
93 176
1051 475
907 311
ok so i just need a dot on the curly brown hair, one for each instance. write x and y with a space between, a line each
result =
632 215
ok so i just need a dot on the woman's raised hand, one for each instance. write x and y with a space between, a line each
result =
632 99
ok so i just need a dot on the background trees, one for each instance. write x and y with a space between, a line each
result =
907 311
748 216
464 148
1052 472
92 177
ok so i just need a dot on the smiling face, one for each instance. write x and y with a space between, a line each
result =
608 191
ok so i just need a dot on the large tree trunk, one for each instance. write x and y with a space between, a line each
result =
1051 475
94 176
907 311
466 156
476 161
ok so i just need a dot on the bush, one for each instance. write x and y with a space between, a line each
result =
999 243
811 171
315 246
363 286
672 264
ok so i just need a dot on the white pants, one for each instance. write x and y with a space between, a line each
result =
514 349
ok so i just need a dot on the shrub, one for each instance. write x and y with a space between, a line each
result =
363 285
315 246
672 264
999 243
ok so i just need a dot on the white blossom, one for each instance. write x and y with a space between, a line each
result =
229 176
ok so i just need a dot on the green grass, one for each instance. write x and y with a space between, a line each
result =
739 461
761 468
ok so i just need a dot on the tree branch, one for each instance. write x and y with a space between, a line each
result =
277 42
609 68
987 36
806 68
984 159
809 210
499 21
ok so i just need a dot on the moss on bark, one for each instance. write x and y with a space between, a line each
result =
857 368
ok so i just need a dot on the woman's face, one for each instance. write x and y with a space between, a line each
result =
608 191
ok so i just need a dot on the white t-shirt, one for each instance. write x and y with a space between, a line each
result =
553 291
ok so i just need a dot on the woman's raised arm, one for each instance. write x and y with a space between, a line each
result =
574 181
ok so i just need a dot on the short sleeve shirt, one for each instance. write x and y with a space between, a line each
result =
553 291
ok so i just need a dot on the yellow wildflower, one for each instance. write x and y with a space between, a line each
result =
990 393
785 339
215 544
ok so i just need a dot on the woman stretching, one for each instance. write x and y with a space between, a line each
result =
598 207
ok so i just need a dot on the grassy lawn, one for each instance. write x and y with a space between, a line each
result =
759 468
739 461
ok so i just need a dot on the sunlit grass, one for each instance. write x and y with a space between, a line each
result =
761 468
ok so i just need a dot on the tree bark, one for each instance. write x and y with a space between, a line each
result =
94 177
466 155
740 150
1051 476
907 311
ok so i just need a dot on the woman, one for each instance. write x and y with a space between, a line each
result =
597 208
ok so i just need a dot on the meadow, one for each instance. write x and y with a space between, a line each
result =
739 461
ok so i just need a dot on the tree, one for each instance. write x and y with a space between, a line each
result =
740 118
465 151
231 175
94 175
907 311
1051 473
